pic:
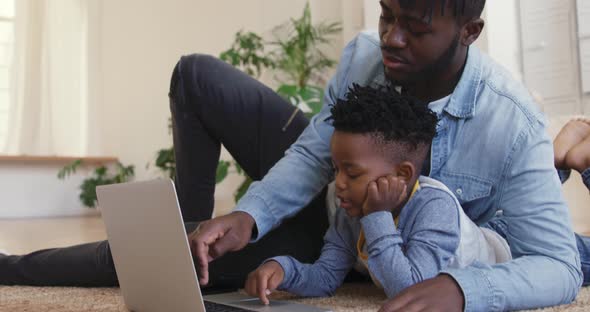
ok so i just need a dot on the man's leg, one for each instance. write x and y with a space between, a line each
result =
89 265
583 243
212 103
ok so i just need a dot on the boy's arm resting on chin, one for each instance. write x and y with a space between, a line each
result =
546 266
435 238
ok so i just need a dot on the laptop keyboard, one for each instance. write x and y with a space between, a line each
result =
218 307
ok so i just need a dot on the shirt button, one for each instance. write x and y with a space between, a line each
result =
459 191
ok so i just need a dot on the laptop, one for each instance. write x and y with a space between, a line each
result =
152 256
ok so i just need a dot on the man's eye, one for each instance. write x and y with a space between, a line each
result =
418 28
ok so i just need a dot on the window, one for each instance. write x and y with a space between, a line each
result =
6 53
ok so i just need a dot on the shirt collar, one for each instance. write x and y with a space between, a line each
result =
463 99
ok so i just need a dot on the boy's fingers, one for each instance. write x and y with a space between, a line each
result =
261 287
248 284
397 186
372 192
383 184
394 183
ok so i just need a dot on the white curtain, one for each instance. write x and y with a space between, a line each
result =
49 108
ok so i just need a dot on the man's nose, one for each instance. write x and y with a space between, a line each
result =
395 36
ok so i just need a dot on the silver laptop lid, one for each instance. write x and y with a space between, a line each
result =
140 226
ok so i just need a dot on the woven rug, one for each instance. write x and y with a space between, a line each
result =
349 298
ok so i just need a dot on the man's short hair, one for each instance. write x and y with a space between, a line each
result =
460 8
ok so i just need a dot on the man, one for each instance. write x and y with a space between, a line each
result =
491 150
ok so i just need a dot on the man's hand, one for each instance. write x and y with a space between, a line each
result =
441 293
264 280
385 194
215 237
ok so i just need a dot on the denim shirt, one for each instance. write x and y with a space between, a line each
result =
491 149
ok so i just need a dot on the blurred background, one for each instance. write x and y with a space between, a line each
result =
89 79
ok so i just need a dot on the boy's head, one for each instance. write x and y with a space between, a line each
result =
377 132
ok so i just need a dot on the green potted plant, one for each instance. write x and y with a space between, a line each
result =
100 176
297 61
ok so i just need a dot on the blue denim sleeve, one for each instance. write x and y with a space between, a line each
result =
304 170
323 277
586 178
546 269
434 238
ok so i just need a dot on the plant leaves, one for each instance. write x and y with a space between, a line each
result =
222 170
68 170
242 189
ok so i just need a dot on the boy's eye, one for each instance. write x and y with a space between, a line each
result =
353 176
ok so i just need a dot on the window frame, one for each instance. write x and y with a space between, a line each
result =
5 107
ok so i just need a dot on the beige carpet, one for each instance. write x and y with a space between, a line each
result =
349 298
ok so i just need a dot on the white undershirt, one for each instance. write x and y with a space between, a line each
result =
438 105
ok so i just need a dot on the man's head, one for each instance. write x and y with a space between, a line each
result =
427 39
377 132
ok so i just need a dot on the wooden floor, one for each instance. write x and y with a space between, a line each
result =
26 235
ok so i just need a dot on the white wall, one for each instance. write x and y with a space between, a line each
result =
33 190
503 34
141 42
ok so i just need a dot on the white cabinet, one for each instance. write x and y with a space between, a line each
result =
549 54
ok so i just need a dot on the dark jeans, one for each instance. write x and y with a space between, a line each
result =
583 243
212 104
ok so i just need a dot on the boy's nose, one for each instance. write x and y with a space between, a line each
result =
340 183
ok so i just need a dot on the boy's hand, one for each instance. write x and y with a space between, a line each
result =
264 280
385 194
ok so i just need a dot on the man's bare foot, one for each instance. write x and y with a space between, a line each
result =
578 158
573 133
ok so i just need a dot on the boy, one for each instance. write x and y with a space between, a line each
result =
402 227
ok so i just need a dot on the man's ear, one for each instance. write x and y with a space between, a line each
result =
471 31
406 171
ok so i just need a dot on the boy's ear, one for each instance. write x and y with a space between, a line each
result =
405 171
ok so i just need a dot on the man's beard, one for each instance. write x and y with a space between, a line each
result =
433 70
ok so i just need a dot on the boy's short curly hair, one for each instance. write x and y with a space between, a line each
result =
385 115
